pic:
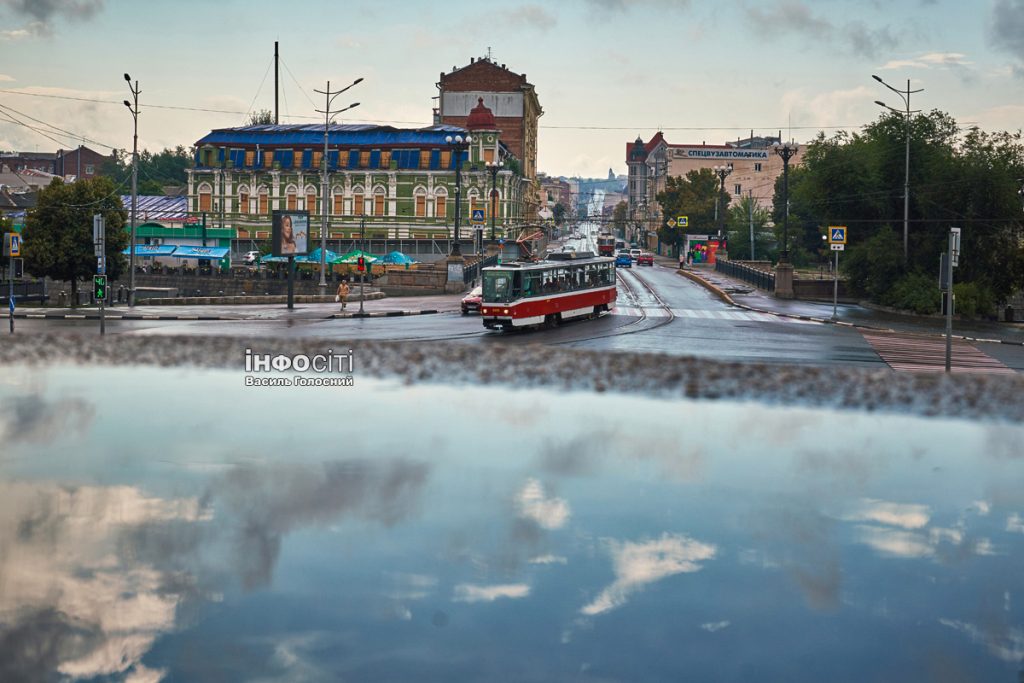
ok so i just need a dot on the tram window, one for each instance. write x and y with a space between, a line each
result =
497 287
517 286
531 284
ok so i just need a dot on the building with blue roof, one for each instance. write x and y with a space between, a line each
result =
400 181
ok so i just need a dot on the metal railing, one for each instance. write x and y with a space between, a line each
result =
471 273
762 279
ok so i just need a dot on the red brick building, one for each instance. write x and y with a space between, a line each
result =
511 98
19 162
81 162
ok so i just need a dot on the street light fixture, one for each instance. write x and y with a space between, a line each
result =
133 107
905 96
458 145
493 167
326 111
722 172
787 151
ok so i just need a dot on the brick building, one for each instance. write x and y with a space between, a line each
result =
19 162
511 98
80 162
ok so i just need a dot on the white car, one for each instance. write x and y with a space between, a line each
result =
251 257
634 254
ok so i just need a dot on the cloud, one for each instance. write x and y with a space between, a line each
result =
639 564
271 501
529 16
929 60
1015 524
469 592
797 18
548 513
31 419
894 543
1005 643
42 13
4 78
904 515
614 6
1007 27
548 559
712 627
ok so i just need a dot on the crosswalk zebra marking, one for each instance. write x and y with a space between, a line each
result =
702 314
911 353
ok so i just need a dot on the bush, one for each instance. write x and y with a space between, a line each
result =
914 292
972 299
873 267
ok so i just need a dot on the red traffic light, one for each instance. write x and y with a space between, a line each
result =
361 264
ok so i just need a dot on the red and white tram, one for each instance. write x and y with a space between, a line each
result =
606 244
567 285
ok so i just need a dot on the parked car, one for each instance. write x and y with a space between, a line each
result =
471 302
251 258
634 254
623 260
645 260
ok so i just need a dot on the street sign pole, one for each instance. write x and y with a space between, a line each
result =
10 288
835 289
12 250
837 235
99 236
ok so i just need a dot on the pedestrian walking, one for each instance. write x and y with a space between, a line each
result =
342 294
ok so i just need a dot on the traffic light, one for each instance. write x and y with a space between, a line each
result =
361 264
99 287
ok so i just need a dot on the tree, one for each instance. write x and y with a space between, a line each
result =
559 212
155 170
260 118
58 231
692 196
737 229
620 215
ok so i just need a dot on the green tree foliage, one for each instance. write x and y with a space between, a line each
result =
692 196
58 231
559 211
155 170
260 118
620 216
968 180
738 231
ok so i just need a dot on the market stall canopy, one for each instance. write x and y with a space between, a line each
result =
353 256
398 258
201 252
151 250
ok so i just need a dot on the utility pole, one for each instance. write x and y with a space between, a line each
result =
750 207
952 259
324 187
133 107
276 119
905 96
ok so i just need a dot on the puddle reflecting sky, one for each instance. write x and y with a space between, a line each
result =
174 525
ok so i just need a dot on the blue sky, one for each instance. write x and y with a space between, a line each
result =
605 70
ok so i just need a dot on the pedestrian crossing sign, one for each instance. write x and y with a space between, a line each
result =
837 234
477 217
12 244
683 221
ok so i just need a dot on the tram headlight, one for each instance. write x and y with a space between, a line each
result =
505 312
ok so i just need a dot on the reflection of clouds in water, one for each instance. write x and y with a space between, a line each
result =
836 469
548 559
1002 442
469 592
637 564
583 455
271 501
31 419
410 586
803 542
1003 642
533 504
1015 524
69 603
714 626
904 515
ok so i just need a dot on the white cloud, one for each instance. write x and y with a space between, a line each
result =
711 627
549 559
1014 523
982 507
549 513
895 543
929 60
1005 643
468 592
639 564
4 78
903 515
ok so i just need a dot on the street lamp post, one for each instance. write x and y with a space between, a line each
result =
905 96
458 145
494 167
133 107
326 111
722 172
785 150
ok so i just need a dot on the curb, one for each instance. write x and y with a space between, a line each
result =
385 314
116 316
828 321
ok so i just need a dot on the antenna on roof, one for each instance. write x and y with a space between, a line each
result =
489 54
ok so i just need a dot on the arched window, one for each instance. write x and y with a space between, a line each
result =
420 195
379 195
292 198
264 207
338 195
440 203
205 192
358 201
311 203
243 199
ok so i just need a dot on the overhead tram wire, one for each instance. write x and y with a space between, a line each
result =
297 84
68 133
270 63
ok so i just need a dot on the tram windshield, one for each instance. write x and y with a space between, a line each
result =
499 286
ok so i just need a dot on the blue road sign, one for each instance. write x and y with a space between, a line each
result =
477 217
837 234
12 304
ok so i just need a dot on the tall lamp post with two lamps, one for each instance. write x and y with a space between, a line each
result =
784 269
905 96
722 172
456 262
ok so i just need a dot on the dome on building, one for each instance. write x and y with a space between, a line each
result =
638 153
480 117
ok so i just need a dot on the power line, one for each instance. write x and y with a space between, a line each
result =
70 134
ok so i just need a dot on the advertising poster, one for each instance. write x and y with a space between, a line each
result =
290 236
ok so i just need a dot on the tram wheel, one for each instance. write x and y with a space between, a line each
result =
553 320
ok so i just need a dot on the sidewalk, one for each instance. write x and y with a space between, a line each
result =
745 295
412 305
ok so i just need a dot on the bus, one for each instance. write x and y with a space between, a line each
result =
544 293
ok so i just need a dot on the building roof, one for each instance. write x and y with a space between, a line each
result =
641 154
485 65
312 135
11 200
158 207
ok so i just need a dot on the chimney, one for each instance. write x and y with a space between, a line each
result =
472 60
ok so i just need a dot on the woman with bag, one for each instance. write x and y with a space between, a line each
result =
342 294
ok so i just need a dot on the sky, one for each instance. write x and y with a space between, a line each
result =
605 71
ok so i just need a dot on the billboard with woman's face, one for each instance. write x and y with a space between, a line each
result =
290 236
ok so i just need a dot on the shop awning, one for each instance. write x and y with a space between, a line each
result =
201 252
151 250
